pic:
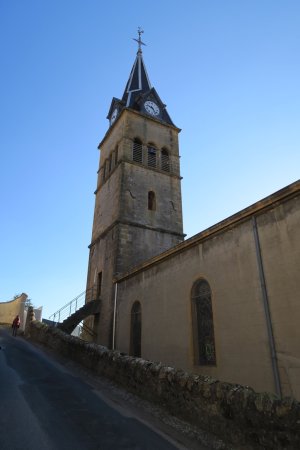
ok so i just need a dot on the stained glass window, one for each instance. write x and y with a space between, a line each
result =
205 353
136 330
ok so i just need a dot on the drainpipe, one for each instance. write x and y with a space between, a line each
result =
115 317
266 308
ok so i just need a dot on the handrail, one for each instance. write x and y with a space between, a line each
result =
71 307
67 304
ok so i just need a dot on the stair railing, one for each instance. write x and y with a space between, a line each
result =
72 306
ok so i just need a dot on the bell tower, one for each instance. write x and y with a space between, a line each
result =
138 212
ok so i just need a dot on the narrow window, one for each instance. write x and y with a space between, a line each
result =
116 155
110 163
104 171
165 160
151 156
136 330
137 151
99 285
100 176
151 201
204 340
113 159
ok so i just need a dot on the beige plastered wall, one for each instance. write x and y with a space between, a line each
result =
228 261
279 231
9 310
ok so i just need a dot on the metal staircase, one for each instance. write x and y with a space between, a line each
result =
88 309
74 312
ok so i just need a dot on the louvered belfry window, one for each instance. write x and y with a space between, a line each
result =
165 160
151 156
205 353
137 151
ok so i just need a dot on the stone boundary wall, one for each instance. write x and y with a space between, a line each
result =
9 310
236 414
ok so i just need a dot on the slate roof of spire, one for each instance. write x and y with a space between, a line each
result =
138 82
139 91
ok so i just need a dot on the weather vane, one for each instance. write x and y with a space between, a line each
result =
139 40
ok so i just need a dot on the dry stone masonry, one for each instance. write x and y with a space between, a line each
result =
237 414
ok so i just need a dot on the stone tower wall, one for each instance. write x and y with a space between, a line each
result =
125 231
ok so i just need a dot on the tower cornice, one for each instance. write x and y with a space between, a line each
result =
140 114
134 224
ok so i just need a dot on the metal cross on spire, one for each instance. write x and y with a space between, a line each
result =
139 40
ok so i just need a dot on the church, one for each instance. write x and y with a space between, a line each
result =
223 303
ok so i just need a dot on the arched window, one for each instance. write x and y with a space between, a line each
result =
99 285
106 168
137 151
151 201
204 341
165 160
136 330
151 155
101 178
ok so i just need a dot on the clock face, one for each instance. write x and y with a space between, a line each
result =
151 108
114 115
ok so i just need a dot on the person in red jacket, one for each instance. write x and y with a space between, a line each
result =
16 325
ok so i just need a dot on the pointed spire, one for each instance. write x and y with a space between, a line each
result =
138 82
138 93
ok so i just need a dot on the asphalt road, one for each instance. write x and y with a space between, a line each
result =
43 406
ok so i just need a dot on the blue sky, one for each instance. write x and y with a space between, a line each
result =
228 71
